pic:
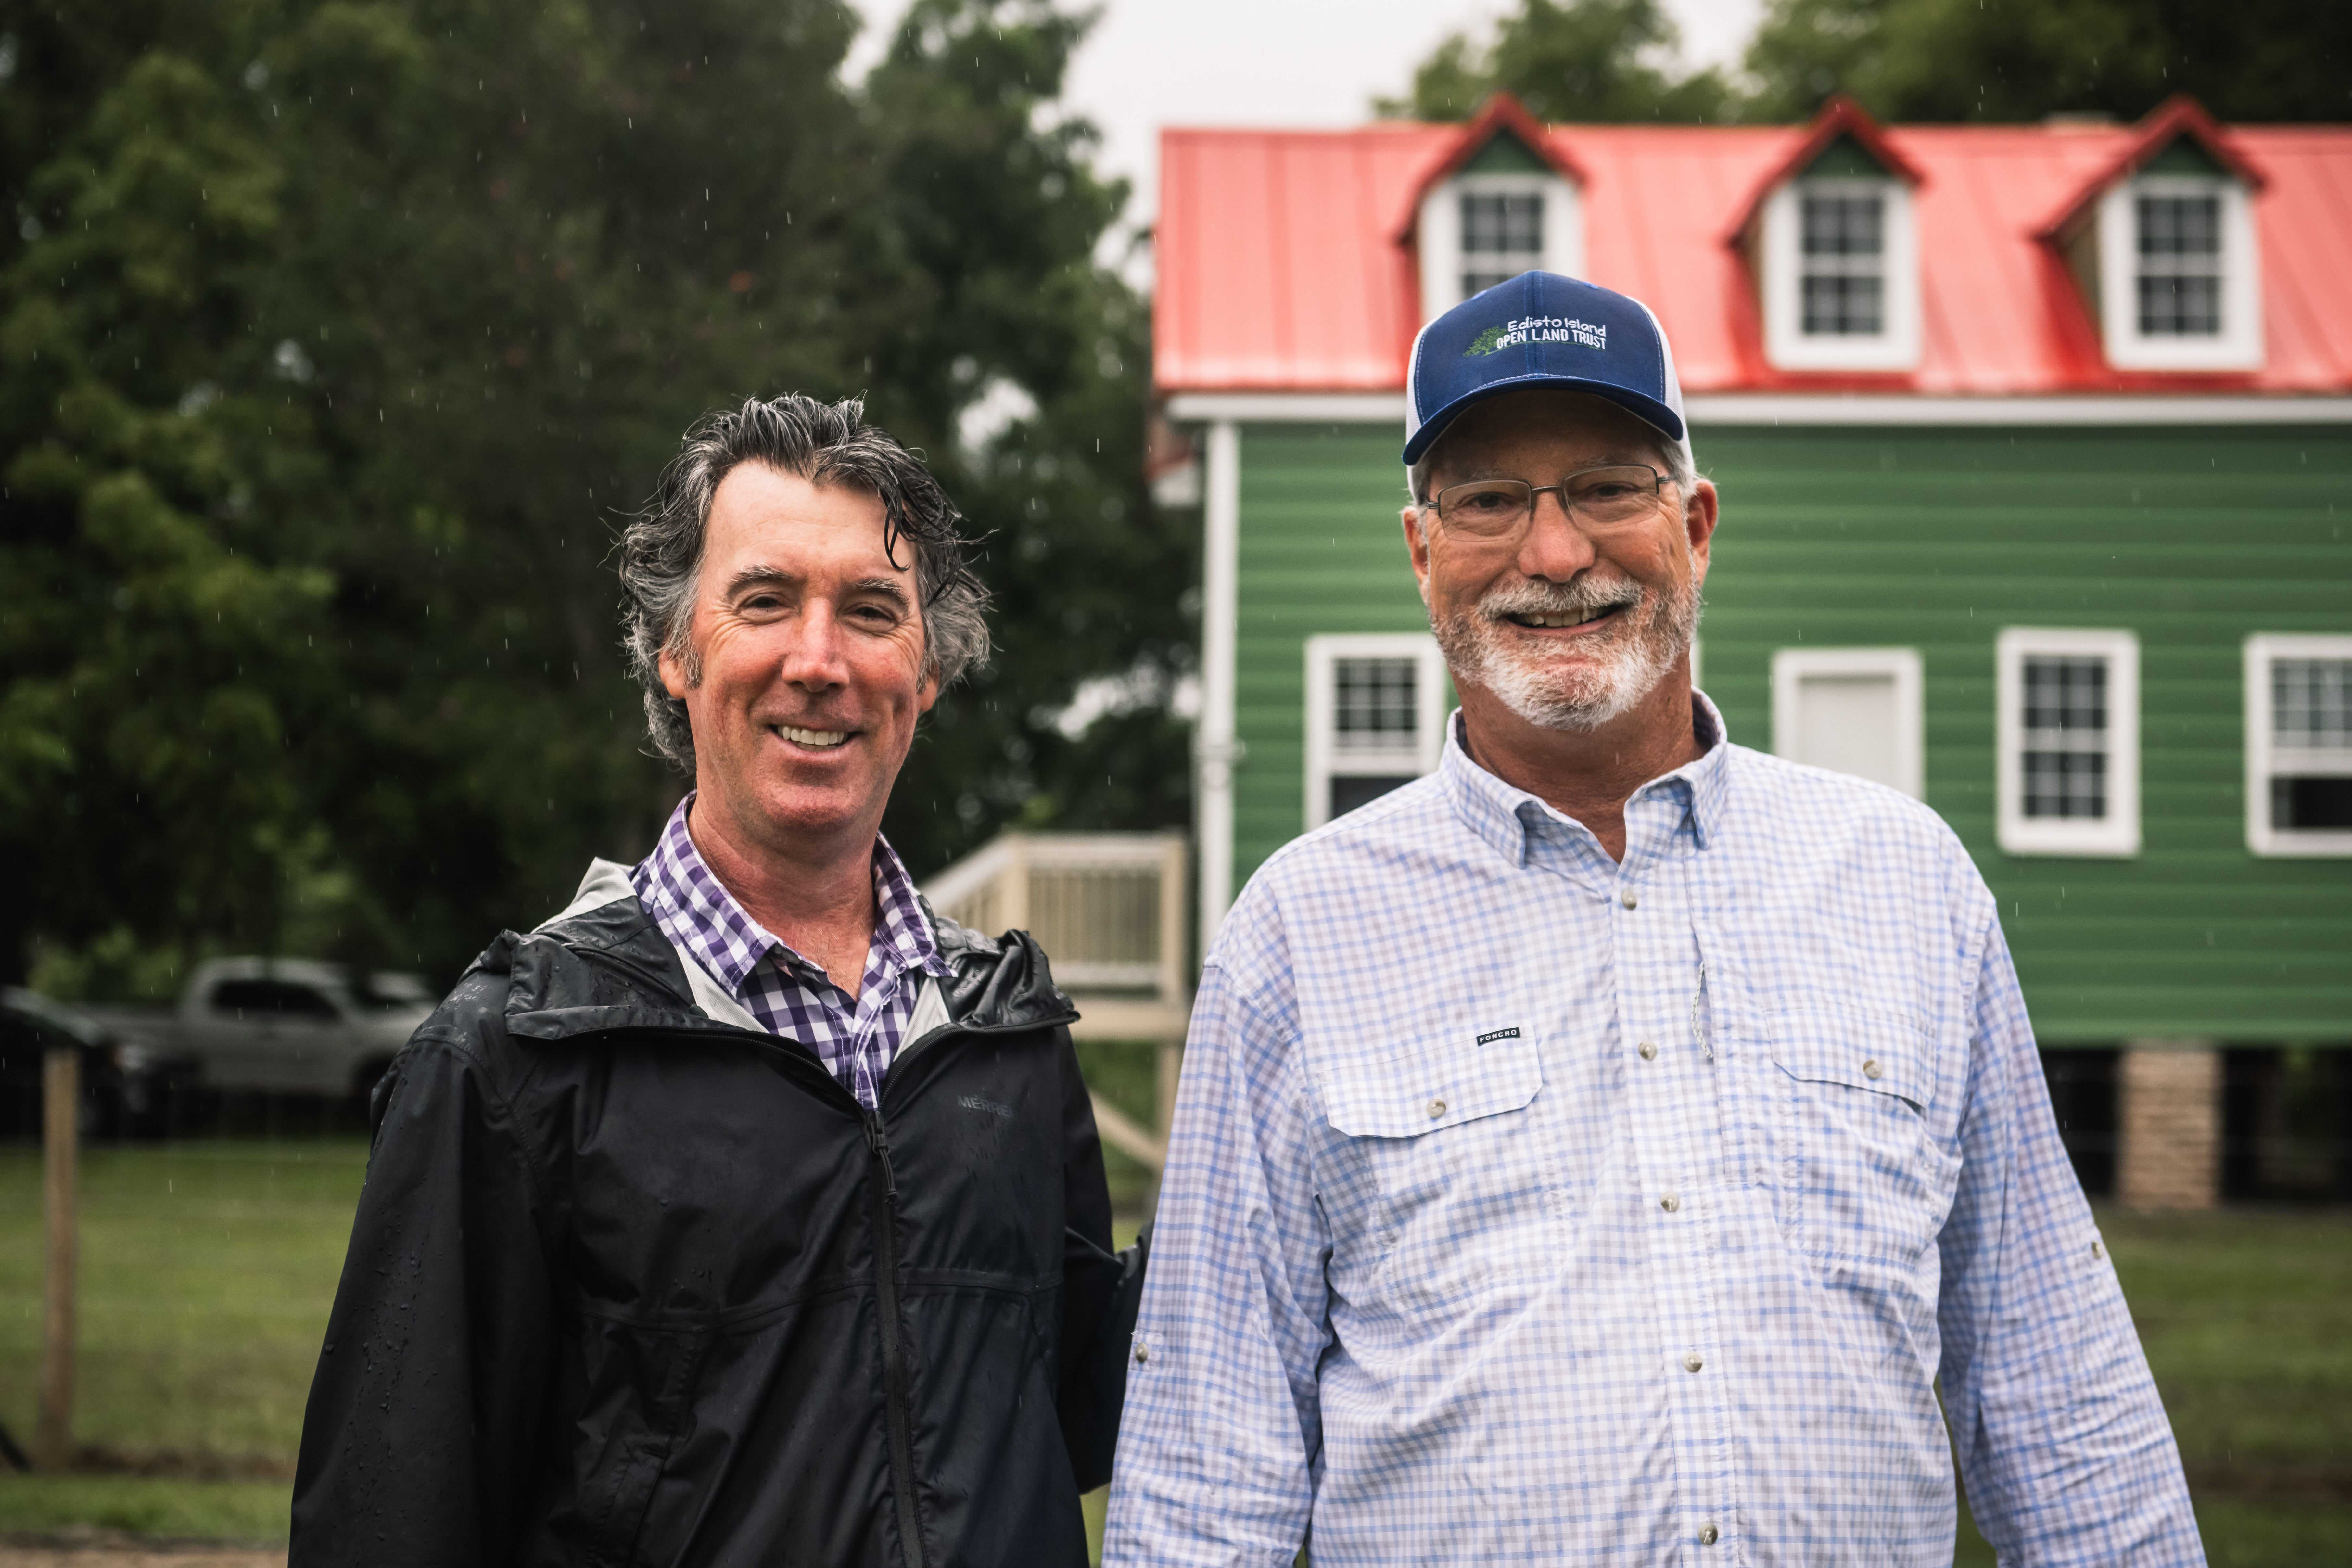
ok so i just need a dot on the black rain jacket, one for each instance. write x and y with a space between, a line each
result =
628 1285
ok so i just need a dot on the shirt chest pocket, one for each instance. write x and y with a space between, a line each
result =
1439 1158
1860 1175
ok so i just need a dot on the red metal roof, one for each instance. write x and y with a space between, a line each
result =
1280 268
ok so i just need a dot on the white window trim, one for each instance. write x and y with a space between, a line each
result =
1790 665
2264 757
2239 346
1438 231
1786 343
1324 761
2019 834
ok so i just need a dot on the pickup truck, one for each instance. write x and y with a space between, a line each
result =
284 1025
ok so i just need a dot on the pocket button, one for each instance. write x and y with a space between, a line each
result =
1436 1108
1871 1069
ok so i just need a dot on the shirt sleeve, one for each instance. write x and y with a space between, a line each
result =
1218 1446
2061 1436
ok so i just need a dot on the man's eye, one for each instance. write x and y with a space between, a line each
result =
1486 500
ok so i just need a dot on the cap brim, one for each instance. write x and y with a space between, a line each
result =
1648 410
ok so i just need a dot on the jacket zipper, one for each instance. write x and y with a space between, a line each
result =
893 1361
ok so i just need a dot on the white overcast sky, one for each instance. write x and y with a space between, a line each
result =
1150 63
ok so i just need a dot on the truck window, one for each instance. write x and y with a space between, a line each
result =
265 999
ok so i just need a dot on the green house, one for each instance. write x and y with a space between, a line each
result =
2035 451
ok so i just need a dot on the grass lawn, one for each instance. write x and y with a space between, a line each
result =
208 1267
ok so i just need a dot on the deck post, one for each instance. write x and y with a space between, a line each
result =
61 1123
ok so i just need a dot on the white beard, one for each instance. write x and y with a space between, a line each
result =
1601 679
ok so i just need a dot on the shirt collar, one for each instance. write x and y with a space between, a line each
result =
697 913
1501 813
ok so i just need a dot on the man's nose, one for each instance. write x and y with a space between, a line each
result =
813 656
1554 548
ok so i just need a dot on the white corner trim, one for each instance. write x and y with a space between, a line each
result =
1745 409
1437 231
1324 761
1792 665
1294 408
1215 749
2265 759
2115 834
2239 345
1786 343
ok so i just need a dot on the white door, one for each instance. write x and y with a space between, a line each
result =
1852 711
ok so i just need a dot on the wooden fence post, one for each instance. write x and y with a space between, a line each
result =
61 1123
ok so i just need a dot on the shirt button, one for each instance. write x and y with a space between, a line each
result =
1871 1069
1706 1537
1142 1354
1692 1362
2098 1249
1670 1203
1630 899
1649 1050
1436 1108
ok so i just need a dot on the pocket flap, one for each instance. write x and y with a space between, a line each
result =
1882 1050
1421 1091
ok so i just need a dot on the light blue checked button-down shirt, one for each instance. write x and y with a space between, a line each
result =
1527 1207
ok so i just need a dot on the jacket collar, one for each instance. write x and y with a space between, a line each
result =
603 965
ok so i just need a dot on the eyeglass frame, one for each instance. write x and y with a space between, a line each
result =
1660 479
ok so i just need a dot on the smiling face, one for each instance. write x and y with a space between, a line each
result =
807 669
1564 623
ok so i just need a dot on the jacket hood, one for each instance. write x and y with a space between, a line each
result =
603 965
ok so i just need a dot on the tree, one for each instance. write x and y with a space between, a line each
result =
1587 60
1595 60
337 338
2021 59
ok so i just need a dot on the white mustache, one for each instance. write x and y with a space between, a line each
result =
1550 599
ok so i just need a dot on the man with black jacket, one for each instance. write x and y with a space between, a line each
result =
746 1211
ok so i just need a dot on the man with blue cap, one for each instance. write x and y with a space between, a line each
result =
1598 1151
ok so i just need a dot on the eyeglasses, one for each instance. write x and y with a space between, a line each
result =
1613 496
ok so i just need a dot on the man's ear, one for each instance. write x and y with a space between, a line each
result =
673 670
1700 514
927 691
1416 547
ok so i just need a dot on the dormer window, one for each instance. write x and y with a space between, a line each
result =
2176 279
1502 235
1839 266
1844 259
1507 210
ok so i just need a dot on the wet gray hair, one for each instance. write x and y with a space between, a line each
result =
826 444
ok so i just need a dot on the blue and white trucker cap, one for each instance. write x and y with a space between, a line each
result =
1542 330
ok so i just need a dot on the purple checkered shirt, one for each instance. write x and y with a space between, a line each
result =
790 997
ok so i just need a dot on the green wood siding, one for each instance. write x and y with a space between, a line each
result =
1935 539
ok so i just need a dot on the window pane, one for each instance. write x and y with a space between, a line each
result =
2311 803
1843 304
1347 793
2066 783
1479 282
1376 709
2067 694
1503 223
1844 225
2181 226
2065 761
2311 702
2174 306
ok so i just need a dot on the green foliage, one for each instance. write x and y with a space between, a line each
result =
335 341
1593 60
2021 59
1586 61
